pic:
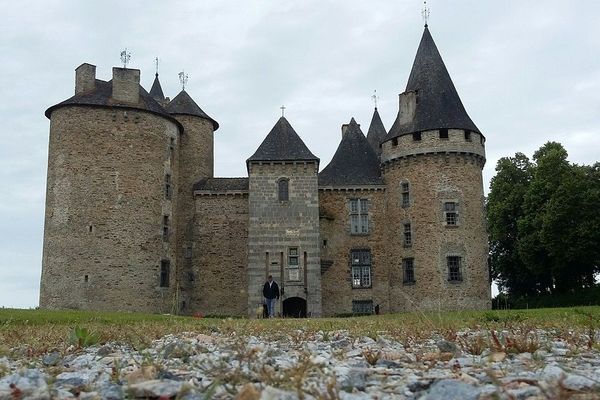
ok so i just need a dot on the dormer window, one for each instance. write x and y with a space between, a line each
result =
417 136
283 189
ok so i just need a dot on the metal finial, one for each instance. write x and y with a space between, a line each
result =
183 78
125 57
282 111
375 98
425 13
156 62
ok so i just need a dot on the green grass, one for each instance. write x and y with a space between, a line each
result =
32 332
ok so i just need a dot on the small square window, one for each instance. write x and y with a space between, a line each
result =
416 136
444 133
86 278
468 136
395 142
362 306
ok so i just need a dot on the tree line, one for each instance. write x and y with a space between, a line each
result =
544 224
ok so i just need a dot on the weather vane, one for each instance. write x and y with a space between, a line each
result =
425 13
156 62
375 97
125 57
282 110
183 78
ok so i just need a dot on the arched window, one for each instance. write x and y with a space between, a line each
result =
283 189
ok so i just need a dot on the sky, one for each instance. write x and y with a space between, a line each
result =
527 72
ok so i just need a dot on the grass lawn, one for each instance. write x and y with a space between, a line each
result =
38 331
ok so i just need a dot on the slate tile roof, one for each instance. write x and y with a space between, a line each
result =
376 133
222 184
282 144
439 105
184 104
354 163
156 90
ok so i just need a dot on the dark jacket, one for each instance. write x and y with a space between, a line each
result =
271 292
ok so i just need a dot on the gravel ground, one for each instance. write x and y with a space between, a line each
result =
331 365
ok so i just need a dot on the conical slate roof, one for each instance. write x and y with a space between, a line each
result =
282 144
376 132
156 90
438 104
184 104
354 162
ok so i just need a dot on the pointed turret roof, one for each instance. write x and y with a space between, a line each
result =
282 144
184 104
438 104
156 90
376 132
354 163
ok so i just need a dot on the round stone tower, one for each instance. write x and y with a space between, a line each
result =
432 160
111 194
196 162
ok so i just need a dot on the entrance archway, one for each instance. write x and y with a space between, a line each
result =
294 307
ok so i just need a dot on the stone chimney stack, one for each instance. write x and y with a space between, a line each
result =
408 106
345 129
85 78
126 85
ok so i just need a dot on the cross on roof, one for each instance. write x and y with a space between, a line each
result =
125 57
183 78
425 13
375 97
156 62
282 111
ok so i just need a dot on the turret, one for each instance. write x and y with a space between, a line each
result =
432 160
376 133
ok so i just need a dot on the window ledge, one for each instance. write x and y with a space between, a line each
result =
409 283
408 246
452 226
455 282
360 234
362 287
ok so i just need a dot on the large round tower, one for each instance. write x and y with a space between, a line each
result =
110 198
432 160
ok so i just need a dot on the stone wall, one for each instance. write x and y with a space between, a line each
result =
105 202
337 241
195 161
219 257
276 226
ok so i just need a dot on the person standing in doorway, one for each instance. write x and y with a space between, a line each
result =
271 294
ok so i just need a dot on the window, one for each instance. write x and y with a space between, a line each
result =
408 271
359 216
407 235
283 189
361 268
165 233
444 133
362 306
395 141
86 278
451 213
405 190
187 252
293 265
454 270
165 266
417 136
191 277
468 136
171 144
167 186
324 242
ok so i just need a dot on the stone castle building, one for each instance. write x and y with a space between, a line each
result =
135 219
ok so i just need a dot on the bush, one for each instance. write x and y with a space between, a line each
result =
582 297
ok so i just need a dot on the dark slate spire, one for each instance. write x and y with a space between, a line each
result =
354 163
376 132
184 104
282 144
437 102
156 91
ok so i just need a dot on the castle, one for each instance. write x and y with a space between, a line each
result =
136 221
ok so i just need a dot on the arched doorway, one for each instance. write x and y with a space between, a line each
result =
294 307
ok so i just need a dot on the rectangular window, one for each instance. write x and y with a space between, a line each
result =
416 136
395 142
468 136
451 213
167 186
362 306
165 266
171 144
443 133
408 271
407 235
165 232
361 268
283 190
359 216
405 189
454 268
293 264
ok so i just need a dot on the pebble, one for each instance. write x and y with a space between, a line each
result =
192 366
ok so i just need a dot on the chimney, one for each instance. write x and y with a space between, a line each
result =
85 78
408 106
126 85
345 129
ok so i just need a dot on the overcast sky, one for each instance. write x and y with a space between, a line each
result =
527 72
